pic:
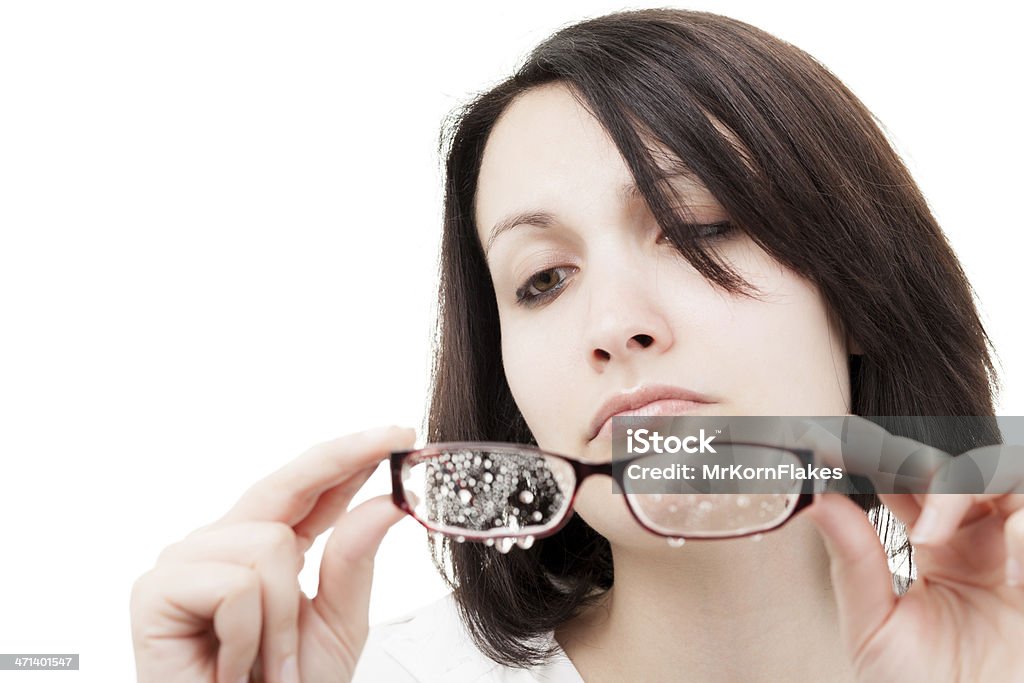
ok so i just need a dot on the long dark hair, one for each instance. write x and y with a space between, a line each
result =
812 181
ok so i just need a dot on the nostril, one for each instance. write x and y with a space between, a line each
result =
644 340
637 340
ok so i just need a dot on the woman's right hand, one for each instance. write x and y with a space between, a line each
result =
225 601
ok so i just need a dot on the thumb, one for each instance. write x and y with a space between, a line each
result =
346 570
860 571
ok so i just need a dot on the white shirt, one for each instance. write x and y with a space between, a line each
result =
430 645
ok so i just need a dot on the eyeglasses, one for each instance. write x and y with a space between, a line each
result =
506 494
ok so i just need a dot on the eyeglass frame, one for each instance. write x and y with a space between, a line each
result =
581 471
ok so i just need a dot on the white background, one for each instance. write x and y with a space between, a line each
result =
218 235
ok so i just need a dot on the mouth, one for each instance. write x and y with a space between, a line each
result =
645 401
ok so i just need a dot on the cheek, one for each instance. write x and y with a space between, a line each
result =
787 356
809 370
536 368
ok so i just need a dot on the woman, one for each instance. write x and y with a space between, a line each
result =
660 204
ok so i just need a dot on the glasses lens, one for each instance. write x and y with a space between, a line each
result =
488 494
738 490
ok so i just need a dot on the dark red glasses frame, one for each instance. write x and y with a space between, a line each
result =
582 470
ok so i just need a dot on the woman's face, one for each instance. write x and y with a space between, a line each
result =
594 302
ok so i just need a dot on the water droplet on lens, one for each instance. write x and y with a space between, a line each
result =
489 541
705 506
504 545
436 535
757 537
460 539
743 501
676 542
537 516
673 508
466 496
526 497
488 477
525 542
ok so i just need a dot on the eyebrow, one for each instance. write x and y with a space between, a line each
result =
545 219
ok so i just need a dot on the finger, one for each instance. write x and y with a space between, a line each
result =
187 597
988 478
330 505
942 515
289 494
859 569
1015 548
908 508
346 570
905 506
270 548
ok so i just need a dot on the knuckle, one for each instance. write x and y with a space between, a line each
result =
140 590
169 553
281 535
277 539
201 530
245 584
284 623
248 582
1015 527
144 598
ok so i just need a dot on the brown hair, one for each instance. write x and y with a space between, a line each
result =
813 181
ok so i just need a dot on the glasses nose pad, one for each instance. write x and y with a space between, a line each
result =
411 499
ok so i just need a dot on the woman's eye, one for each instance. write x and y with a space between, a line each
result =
714 230
541 285
706 231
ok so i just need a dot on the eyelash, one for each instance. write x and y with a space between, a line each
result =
722 228
525 298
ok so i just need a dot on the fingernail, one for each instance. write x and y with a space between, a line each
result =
926 526
1013 577
290 671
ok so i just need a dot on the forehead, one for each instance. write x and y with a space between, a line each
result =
548 152
543 149
545 127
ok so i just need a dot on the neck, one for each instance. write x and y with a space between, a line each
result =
727 610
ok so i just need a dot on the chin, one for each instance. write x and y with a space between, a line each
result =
607 514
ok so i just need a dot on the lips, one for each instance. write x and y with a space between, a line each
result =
643 401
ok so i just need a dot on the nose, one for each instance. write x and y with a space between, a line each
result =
627 319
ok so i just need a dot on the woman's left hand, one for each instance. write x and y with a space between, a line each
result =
962 619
